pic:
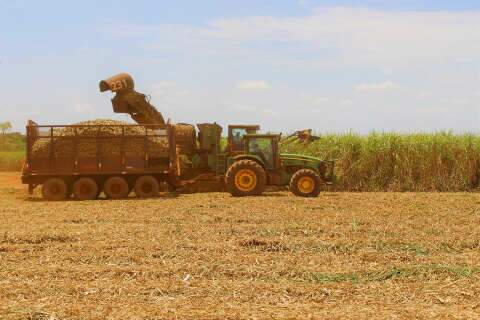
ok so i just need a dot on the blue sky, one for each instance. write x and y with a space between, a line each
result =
329 65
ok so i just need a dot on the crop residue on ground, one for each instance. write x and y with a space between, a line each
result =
212 256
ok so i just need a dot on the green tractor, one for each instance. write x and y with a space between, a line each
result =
251 162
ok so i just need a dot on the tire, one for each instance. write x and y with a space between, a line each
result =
245 178
306 183
85 189
55 189
147 187
116 188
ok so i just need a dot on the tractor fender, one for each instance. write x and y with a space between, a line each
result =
250 157
294 163
293 168
253 158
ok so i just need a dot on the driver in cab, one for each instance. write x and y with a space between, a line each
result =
264 154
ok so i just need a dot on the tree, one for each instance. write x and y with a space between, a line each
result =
5 127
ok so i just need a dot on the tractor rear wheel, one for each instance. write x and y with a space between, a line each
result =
85 189
245 178
116 188
305 183
55 189
147 187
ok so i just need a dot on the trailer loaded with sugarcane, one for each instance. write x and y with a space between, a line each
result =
116 158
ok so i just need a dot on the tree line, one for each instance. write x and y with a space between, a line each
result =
5 127
11 141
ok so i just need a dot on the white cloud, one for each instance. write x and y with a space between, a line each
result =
376 87
477 93
346 102
460 101
83 108
341 36
433 110
386 39
320 100
425 94
255 85
267 111
313 99
164 84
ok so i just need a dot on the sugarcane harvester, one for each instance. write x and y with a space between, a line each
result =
116 159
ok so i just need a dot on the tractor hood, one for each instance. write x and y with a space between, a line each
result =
299 157
325 167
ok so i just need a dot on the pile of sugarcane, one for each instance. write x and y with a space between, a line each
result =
89 143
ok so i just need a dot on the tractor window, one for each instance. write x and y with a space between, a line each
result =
237 138
263 148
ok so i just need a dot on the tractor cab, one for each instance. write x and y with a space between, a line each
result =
264 147
236 134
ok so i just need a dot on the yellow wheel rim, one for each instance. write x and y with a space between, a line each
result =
306 184
246 180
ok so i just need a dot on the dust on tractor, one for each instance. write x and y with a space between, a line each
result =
191 162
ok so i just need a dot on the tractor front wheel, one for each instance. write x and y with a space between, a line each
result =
305 183
245 178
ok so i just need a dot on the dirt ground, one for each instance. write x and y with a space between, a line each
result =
211 256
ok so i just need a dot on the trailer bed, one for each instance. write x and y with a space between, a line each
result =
101 151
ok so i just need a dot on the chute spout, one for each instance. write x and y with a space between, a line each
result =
127 100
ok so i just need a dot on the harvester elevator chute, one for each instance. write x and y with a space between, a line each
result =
138 106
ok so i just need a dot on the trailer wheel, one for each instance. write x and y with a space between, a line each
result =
116 188
55 189
147 187
85 189
305 183
245 178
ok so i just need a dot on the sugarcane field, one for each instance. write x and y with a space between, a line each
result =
239 160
